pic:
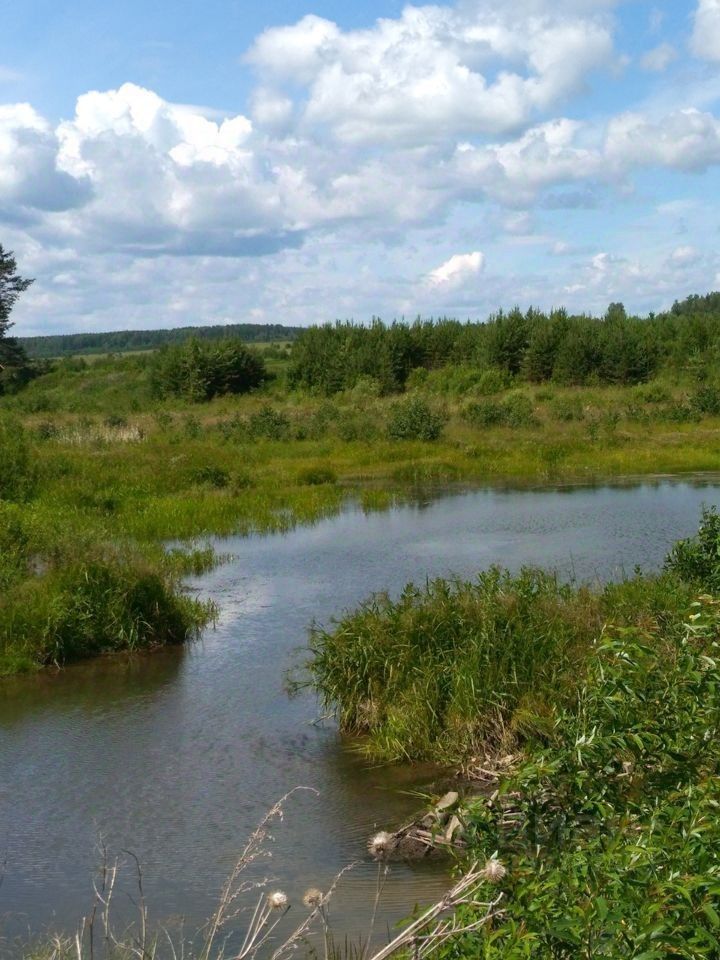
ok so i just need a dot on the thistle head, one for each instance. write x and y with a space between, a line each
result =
277 900
493 871
381 844
313 898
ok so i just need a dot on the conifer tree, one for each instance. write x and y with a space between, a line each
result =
11 286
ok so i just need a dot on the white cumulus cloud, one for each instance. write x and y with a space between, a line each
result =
705 40
685 139
456 271
435 70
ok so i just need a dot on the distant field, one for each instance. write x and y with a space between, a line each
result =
138 341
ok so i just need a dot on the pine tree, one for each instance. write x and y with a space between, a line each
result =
11 286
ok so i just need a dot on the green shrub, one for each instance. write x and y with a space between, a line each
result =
608 833
191 427
679 413
490 382
484 413
414 419
269 424
366 388
652 393
517 411
697 559
199 371
417 378
706 400
356 426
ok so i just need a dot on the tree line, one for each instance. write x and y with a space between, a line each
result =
531 345
124 341
201 362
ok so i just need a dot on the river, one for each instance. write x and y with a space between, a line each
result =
176 755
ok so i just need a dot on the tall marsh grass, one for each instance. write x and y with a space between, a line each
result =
455 667
94 605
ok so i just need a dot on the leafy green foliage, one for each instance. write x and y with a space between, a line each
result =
614 349
200 371
697 559
515 410
414 419
269 424
609 832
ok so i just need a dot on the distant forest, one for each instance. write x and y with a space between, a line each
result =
534 346
124 341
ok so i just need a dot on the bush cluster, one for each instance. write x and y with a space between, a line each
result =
198 371
414 419
515 410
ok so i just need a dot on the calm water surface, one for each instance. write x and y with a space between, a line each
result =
177 755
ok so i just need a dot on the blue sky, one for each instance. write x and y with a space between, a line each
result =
172 163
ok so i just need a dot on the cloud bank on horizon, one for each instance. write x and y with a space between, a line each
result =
451 159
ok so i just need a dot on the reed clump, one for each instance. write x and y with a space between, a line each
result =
454 667
99 604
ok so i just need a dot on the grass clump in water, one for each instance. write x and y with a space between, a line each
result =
96 605
454 666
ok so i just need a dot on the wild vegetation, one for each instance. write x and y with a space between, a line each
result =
607 697
455 668
532 346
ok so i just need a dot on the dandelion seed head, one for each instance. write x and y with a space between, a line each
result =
277 900
313 898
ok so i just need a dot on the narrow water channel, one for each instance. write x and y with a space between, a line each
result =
177 755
